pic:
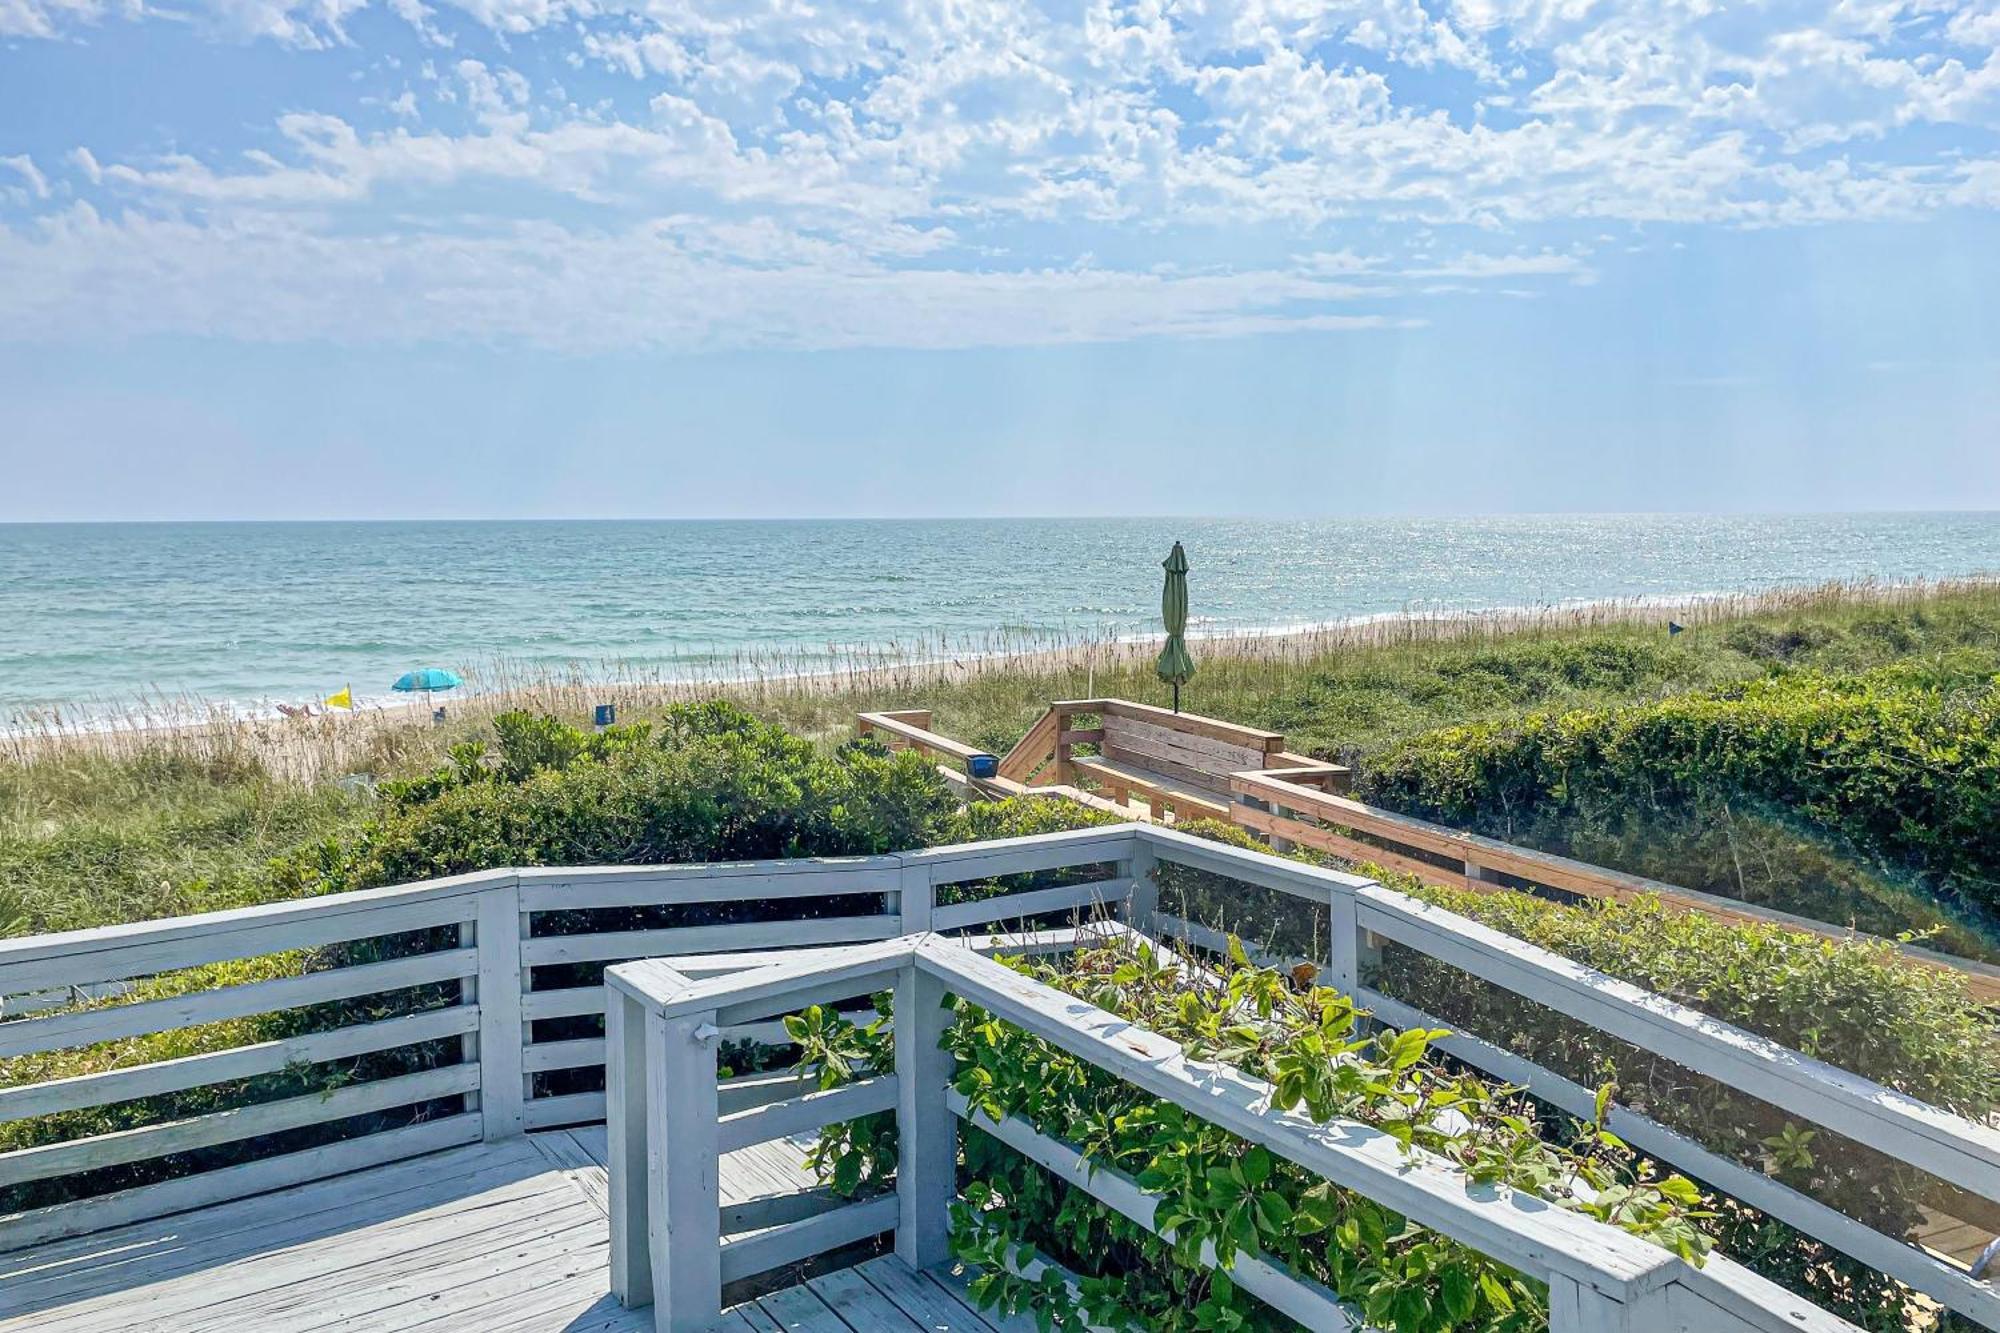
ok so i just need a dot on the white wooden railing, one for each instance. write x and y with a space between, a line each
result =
667 1138
501 979
483 941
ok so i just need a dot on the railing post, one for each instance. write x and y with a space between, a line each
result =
914 895
926 1130
1576 1308
502 1086
1479 874
1065 771
683 1194
625 1128
1350 949
1142 909
468 993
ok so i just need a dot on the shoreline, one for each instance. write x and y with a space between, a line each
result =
223 726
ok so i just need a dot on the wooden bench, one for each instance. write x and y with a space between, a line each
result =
1178 764
1164 793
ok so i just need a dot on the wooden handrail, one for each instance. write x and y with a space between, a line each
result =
1481 859
915 733
1310 790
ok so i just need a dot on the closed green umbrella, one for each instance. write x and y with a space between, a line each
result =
1175 667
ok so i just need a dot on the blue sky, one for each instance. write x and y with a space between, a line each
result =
264 258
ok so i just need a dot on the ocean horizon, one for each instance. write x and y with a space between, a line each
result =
109 620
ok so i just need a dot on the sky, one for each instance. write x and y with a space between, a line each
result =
500 258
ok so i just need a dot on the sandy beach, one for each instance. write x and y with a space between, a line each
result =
329 743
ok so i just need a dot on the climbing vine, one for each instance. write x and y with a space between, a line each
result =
1220 1191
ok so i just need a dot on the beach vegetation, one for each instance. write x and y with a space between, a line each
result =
1220 1191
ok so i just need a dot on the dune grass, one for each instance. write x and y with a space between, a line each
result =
98 828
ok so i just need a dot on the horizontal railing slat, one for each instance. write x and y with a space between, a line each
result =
582 1053
1981 979
194 1071
1917 1132
1020 856
86 954
80 943
575 1108
664 886
1516 1229
1100 894
624 944
226 942
572 1002
761 1251
746 1091
1309 1302
1942 1281
205 1131
813 1110
117 1022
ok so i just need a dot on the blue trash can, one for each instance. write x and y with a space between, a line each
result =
606 715
982 766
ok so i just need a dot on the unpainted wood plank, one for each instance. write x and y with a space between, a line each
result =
1165 775
1200 752
1195 724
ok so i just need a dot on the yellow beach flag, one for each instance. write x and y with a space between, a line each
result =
343 698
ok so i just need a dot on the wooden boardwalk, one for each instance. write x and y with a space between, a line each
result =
879 1296
506 1237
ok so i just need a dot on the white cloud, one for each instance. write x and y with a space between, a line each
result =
925 172
24 166
77 273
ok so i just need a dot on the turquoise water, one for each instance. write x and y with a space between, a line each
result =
97 615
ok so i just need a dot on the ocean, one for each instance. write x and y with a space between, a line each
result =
97 618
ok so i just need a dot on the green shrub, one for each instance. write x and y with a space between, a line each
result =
1850 1003
705 782
1219 1189
1900 765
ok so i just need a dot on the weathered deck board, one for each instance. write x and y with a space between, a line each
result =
507 1237
883 1295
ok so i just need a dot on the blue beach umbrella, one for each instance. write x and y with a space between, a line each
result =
430 678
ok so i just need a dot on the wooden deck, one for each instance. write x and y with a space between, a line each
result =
506 1237
880 1296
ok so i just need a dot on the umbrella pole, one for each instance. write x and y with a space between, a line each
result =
1177 697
